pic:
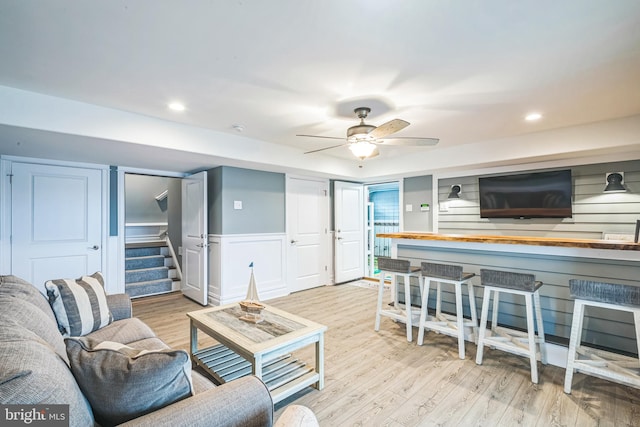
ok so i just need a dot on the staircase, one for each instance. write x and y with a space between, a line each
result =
149 269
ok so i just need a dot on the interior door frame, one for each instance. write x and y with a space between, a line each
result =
401 211
118 246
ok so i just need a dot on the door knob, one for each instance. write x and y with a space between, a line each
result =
95 247
293 242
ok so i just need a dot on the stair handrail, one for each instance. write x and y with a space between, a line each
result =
174 257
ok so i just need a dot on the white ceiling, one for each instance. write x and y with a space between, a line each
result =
466 72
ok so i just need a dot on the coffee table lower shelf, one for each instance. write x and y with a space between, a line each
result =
284 375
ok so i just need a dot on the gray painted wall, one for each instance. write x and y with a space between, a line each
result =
418 190
214 198
263 201
174 213
140 203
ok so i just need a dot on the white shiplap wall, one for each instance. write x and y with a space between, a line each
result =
594 212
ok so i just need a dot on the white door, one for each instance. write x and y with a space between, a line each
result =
194 238
349 218
307 233
56 222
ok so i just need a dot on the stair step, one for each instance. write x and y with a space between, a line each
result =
146 274
136 263
149 287
146 244
145 251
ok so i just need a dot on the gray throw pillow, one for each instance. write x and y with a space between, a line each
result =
80 306
122 383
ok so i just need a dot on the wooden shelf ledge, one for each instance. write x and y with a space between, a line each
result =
518 240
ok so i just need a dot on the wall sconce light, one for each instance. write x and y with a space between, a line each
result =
615 182
455 191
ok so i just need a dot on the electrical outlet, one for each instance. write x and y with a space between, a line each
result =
237 204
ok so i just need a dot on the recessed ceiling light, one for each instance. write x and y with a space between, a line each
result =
532 117
176 106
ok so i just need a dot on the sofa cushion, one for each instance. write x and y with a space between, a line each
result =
26 305
32 373
123 383
124 331
80 305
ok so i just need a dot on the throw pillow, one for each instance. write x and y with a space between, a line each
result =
122 383
80 305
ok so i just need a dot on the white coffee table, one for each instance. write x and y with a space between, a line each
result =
262 349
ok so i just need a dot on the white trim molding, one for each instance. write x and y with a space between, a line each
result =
229 272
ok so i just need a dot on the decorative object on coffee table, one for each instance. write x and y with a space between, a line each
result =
251 306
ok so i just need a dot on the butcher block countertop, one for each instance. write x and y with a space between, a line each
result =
518 240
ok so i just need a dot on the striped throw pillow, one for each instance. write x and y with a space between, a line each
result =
80 305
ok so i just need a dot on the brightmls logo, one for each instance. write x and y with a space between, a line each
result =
34 415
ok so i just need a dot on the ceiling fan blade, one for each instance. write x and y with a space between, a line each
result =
388 128
325 137
410 141
326 148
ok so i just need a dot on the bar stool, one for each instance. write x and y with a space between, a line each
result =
446 323
603 364
506 339
398 267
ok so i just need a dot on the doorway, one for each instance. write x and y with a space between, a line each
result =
153 228
384 217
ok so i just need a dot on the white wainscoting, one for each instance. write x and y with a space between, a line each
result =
229 272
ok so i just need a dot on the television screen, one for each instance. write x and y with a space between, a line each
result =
528 195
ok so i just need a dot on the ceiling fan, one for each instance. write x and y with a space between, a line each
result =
363 139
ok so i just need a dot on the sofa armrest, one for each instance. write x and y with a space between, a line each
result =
120 306
244 402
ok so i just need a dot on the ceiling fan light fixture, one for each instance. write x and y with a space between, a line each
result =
362 149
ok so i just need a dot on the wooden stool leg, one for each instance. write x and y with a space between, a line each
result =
460 320
574 343
379 308
541 341
474 314
483 324
407 306
424 308
531 333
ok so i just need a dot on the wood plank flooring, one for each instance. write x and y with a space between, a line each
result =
380 379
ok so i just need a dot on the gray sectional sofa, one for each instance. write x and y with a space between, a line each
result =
35 368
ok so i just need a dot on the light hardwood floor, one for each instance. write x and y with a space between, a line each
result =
380 379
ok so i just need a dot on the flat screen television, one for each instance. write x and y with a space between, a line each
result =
527 195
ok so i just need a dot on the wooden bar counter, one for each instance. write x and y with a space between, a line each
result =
553 260
519 240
